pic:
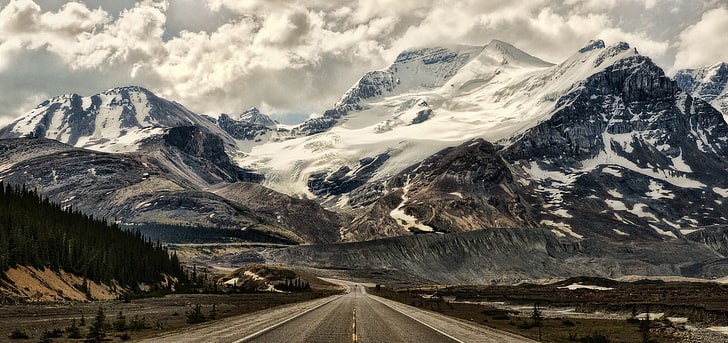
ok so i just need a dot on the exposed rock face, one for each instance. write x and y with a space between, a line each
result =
707 83
503 256
344 179
203 152
251 125
306 218
643 154
458 189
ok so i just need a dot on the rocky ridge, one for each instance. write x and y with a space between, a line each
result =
708 83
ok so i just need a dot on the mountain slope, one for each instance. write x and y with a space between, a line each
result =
708 83
143 188
35 233
115 120
427 100
500 256
625 156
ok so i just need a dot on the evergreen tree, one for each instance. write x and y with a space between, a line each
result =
97 331
120 322
37 232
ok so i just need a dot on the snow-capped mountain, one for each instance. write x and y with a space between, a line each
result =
605 124
451 139
249 129
116 120
425 101
708 83
603 163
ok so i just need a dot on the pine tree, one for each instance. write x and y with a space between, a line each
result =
97 331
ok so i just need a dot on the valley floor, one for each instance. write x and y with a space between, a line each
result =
164 314
578 310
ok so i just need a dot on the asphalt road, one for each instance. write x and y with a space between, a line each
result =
353 317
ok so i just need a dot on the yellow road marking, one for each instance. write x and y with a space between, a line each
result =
353 321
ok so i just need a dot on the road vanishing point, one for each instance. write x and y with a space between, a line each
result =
355 316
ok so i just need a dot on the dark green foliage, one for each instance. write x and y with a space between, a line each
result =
567 322
125 337
73 331
169 233
195 315
97 331
213 312
138 323
36 232
18 334
120 322
47 336
294 285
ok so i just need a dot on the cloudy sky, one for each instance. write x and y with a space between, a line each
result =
295 58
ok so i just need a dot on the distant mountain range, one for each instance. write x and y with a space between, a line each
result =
602 146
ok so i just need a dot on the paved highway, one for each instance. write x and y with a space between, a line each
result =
353 317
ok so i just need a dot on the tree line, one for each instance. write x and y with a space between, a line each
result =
37 232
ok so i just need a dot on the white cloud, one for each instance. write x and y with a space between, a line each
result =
705 42
299 57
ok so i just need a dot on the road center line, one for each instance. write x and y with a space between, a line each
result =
353 322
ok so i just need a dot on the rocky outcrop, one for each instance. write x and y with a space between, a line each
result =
251 125
465 188
499 256
344 179
202 153
305 218
707 83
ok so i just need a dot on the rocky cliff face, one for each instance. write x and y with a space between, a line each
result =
198 153
501 256
707 83
251 125
636 147
465 188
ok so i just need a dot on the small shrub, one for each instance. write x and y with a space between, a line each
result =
18 334
125 337
195 315
138 323
567 322
45 337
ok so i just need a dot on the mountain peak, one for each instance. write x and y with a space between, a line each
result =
254 117
593 45
251 111
121 89
505 53
435 54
